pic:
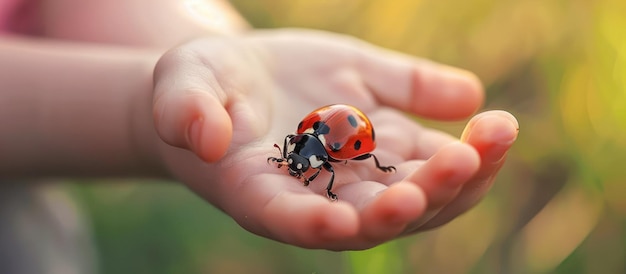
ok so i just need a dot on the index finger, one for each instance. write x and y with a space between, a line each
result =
419 86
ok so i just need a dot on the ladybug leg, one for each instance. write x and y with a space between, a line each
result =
328 167
276 160
383 168
305 180
308 180
296 174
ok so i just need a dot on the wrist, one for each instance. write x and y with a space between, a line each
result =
144 140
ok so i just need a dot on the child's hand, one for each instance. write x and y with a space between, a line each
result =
229 100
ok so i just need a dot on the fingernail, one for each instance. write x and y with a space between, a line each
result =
504 142
194 134
500 115
493 134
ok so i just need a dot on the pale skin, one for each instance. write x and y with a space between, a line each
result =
207 113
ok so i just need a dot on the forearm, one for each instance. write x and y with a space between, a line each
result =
74 109
141 23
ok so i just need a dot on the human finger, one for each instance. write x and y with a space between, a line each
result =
189 106
400 134
293 214
387 213
492 133
443 176
419 86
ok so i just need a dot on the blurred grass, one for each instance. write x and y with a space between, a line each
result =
558 205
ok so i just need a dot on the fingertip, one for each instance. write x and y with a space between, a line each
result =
390 212
405 199
492 133
506 115
309 220
337 221
504 119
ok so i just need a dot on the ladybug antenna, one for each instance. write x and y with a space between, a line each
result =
279 150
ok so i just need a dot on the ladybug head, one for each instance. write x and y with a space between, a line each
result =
297 164
303 152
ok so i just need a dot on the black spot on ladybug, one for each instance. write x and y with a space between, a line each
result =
321 128
300 125
352 121
335 146
357 145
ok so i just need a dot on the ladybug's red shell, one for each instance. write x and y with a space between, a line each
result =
345 131
334 133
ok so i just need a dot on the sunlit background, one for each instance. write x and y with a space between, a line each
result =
558 206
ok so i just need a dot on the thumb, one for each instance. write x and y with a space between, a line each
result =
189 107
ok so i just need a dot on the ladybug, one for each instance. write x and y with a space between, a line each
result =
334 133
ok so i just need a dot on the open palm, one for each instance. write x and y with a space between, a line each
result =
221 104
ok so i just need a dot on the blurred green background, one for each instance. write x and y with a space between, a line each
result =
558 206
